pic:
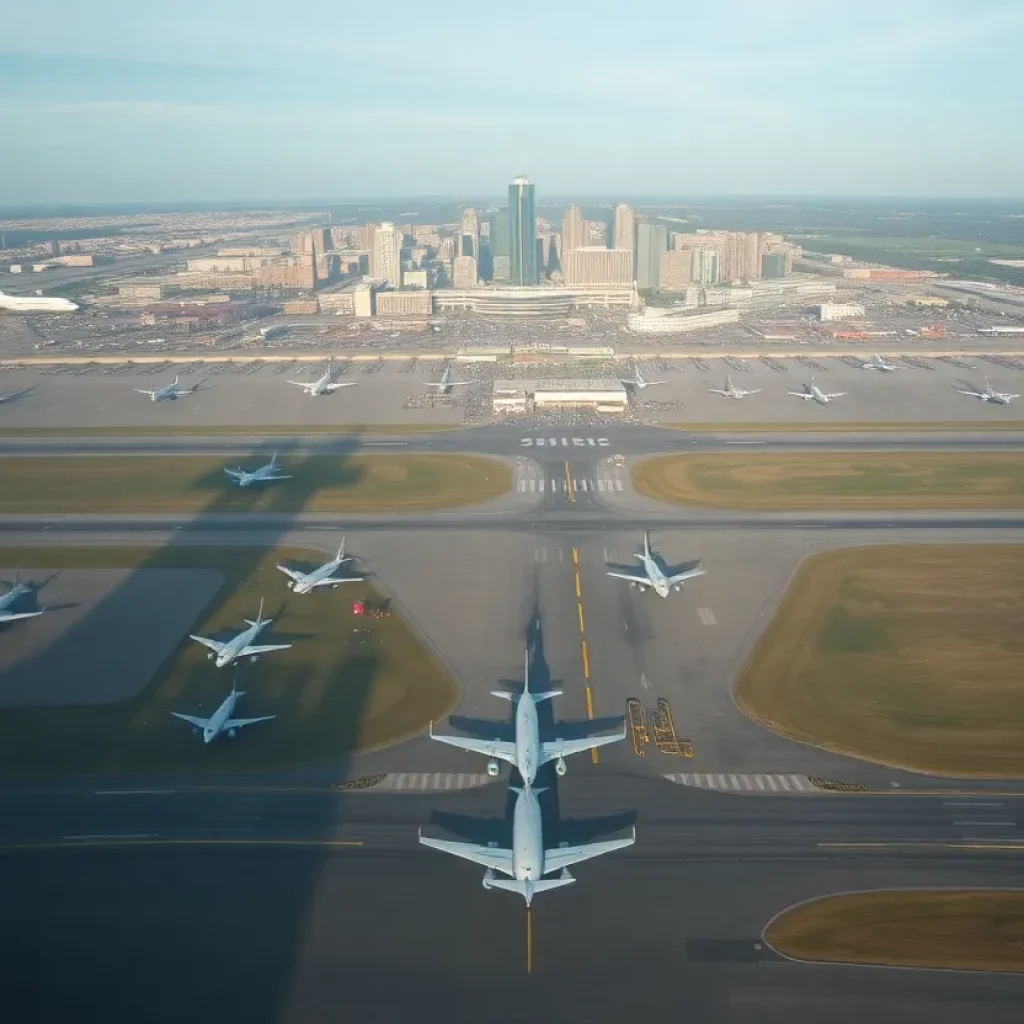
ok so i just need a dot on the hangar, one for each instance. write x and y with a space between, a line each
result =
601 394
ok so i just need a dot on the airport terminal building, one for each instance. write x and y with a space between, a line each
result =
605 395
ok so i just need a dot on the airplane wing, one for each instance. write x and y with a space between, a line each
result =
199 723
334 385
800 394
563 857
238 723
489 748
279 476
251 649
756 391
235 474
13 616
214 645
690 574
292 573
330 581
633 578
717 391
489 856
300 384
837 394
142 391
973 394
563 748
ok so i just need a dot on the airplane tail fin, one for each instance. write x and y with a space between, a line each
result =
647 543
341 552
273 459
259 620
527 888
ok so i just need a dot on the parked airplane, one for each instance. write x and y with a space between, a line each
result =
37 303
731 391
171 391
221 721
265 474
812 392
305 582
638 382
527 862
10 598
527 753
878 363
653 575
242 645
445 384
990 395
13 396
323 385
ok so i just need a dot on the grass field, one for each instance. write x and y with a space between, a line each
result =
907 656
321 483
335 692
836 481
969 929
232 430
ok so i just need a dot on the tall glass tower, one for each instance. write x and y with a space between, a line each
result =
522 233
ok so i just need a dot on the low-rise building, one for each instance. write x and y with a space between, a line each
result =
839 310
404 303
678 321
527 396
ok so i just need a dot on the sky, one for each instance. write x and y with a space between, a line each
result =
239 100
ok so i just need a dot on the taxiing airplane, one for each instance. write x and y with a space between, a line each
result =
813 393
653 575
13 396
527 753
225 652
445 384
323 385
265 474
10 598
878 363
527 862
990 395
637 381
731 391
37 303
221 721
306 582
170 391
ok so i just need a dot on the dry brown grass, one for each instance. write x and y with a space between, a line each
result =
908 656
978 930
844 481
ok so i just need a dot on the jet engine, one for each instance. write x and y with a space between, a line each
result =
232 733
493 768
254 657
209 657
678 587
560 766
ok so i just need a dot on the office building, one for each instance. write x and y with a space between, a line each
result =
675 270
624 228
498 245
704 268
651 242
573 232
464 272
595 265
773 265
839 310
386 255
471 228
665 321
522 232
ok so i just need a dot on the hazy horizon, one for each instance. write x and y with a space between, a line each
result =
223 104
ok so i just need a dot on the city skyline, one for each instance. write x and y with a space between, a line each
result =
106 103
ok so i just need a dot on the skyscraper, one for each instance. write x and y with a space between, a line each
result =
573 231
471 227
498 245
386 257
522 233
624 228
651 242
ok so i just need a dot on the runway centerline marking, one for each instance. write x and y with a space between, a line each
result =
529 941
584 653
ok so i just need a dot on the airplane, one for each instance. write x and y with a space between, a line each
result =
812 392
638 381
445 384
731 391
242 645
37 303
221 721
878 363
171 391
265 474
323 385
527 753
8 600
12 396
527 862
305 582
653 576
990 395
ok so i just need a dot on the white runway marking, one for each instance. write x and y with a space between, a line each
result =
707 616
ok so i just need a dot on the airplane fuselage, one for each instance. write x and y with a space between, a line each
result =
36 304
311 580
240 642
216 722
527 838
527 739
659 584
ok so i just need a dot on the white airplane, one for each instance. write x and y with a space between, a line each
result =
878 363
221 721
37 303
305 582
11 396
812 392
323 385
527 862
170 391
731 391
653 576
638 382
446 383
241 646
10 598
265 474
990 395
527 753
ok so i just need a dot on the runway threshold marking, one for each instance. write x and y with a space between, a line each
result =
584 653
